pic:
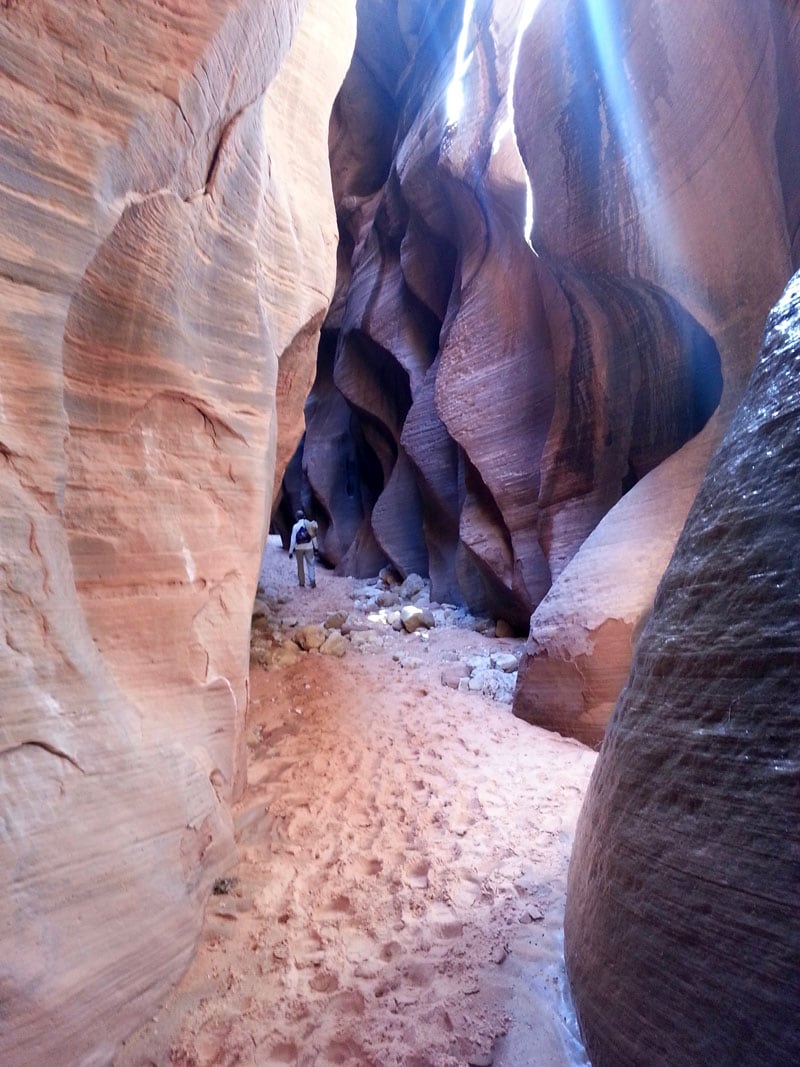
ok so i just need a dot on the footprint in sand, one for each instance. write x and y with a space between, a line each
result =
444 921
324 982
358 948
340 905
391 950
281 1053
368 867
416 875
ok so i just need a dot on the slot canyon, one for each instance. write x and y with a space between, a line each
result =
502 294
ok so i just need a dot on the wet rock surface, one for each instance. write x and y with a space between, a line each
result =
682 933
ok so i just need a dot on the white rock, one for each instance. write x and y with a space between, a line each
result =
411 586
413 617
479 663
504 661
366 640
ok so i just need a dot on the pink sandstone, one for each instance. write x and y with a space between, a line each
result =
146 199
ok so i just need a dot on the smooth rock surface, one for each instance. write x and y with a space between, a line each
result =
682 932
702 91
145 196
535 447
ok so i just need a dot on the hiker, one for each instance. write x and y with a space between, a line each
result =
304 545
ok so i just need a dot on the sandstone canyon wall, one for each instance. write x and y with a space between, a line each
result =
544 295
167 255
682 936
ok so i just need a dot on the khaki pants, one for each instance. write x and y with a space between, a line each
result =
305 559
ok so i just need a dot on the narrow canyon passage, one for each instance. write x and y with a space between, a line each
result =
403 848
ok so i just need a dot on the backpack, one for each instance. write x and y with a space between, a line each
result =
303 537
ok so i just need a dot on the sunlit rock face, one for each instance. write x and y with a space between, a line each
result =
682 934
530 428
159 284
657 143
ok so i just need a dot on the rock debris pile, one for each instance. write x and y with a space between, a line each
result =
390 614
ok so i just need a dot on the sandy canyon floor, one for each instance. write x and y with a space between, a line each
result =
403 854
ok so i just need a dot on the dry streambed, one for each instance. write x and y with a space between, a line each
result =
403 852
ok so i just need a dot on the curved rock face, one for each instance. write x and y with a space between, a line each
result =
631 169
144 326
682 937
530 428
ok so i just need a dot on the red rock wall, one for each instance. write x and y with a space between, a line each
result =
530 428
633 176
682 937
144 330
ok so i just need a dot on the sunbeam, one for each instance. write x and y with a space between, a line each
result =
455 91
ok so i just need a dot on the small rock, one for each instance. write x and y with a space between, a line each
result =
532 915
504 661
224 885
503 629
479 663
387 599
411 586
452 676
481 1059
259 609
335 621
410 662
287 654
353 623
413 617
482 626
389 577
334 645
495 684
499 953
309 637
365 640
463 685
395 620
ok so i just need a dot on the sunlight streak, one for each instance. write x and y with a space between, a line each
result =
506 127
624 118
455 91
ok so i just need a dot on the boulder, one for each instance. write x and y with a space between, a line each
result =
413 618
260 609
334 645
366 640
504 661
412 585
310 637
453 674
